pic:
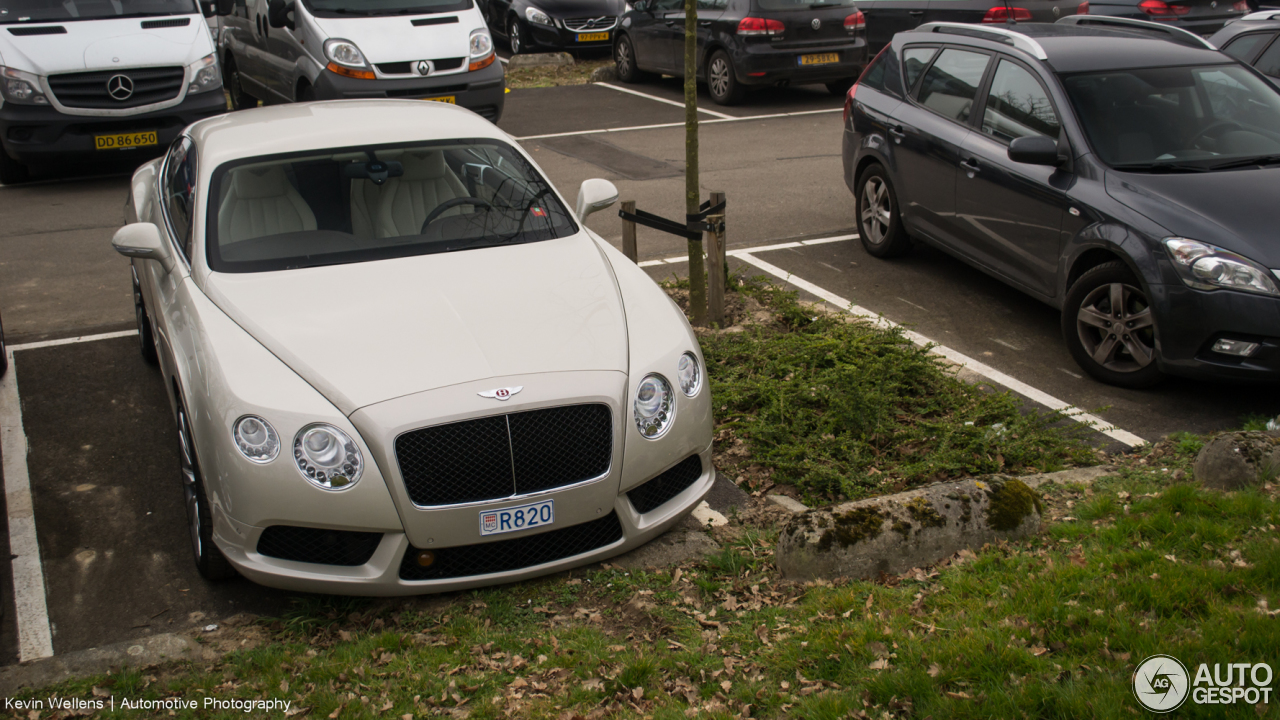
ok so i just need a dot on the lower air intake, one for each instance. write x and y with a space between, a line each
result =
322 547
656 492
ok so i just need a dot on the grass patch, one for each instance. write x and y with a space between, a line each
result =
844 409
1048 628
578 73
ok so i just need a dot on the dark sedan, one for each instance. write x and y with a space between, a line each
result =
745 43
1252 41
533 25
1124 172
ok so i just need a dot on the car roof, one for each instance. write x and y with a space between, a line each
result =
1263 20
1080 48
299 127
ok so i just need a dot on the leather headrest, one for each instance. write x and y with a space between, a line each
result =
260 182
427 166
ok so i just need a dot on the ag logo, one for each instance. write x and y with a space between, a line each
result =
1160 683
501 393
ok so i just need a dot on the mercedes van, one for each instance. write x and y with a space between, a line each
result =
278 51
101 79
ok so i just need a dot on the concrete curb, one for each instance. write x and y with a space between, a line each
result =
528 60
151 650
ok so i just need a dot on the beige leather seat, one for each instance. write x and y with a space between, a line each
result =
407 200
260 202
365 200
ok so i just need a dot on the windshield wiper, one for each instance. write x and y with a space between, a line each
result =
1161 167
1258 160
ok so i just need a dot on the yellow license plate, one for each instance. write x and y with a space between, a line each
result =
592 37
452 100
125 140
821 59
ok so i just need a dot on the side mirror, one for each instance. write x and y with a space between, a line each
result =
224 7
595 195
1034 150
278 14
142 240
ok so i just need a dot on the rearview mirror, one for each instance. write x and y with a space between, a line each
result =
278 14
595 195
1034 150
142 240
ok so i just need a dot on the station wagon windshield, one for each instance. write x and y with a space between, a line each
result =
22 11
362 204
1178 119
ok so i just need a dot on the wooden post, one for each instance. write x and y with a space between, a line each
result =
629 232
716 263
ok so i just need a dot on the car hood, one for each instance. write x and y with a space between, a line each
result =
368 332
107 44
580 8
396 39
1233 209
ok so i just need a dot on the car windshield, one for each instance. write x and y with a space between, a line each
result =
361 204
1178 119
22 11
357 8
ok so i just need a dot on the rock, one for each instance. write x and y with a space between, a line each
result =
895 533
680 544
607 73
791 505
528 60
1071 476
1235 460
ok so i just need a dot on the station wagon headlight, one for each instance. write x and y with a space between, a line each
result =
21 88
534 15
1207 267
327 457
256 439
344 52
689 374
204 75
654 406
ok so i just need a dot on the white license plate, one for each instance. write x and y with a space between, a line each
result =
523 517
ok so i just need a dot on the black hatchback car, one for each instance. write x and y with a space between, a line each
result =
1252 41
744 43
531 25
1124 172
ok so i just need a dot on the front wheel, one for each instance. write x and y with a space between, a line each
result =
624 58
11 171
240 100
210 561
306 93
723 84
516 36
879 218
1109 328
146 338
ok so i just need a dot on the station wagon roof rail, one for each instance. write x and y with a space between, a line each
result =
1176 34
1262 15
1018 40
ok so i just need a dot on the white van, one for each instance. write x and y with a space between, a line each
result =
101 78
277 51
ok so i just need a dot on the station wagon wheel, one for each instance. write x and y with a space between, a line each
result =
723 84
146 338
624 58
209 559
879 222
1109 328
515 35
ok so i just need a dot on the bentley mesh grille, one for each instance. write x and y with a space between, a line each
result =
313 545
89 89
669 484
505 455
513 554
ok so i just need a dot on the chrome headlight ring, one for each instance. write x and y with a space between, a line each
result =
327 457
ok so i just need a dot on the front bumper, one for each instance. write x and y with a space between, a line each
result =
482 91
39 134
762 64
382 574
1190 321
566 39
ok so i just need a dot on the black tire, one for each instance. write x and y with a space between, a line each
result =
879 218
306 93
840 88
624 59
517 35
146 338
722 83
12 172
240 100
1109 329
4 354
209 560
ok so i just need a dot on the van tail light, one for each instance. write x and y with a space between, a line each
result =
753 26
350 72
1006 14
856 21
1083 8
1160 8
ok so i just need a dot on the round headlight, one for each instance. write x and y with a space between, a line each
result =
654 406
327 457
688 374
256 439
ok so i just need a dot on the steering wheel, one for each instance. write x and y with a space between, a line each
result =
1213 128
477 202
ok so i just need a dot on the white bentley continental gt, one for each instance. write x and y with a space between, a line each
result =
398 363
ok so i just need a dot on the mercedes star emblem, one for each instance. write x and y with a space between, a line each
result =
816 24
501 393
120 87
423 67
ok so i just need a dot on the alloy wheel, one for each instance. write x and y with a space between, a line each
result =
514 35
623 58
1116 328
877 213
190 496
718 77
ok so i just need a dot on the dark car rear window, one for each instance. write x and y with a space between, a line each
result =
801 4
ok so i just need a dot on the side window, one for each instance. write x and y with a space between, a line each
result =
950 86
1017 106
1269 63
1245 47
914 61
179 191
668 5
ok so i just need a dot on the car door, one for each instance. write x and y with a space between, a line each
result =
175 210
650 32
929 133
282 53
709 11
240 35
1010 214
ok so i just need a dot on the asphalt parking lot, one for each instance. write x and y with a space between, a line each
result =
102 462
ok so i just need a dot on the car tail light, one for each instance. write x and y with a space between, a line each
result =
1241 6
856 21
760 26
1083 8
1005 14
1160 8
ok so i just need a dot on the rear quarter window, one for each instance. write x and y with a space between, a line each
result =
883 74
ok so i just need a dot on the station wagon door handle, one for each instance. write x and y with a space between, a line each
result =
897 131
705 23
970 166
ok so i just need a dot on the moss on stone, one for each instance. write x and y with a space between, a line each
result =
1011 502
902 527
923 512
853 527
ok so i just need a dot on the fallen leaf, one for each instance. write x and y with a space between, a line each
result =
870 598
725 685
1038 650
958 695
934 670
881 664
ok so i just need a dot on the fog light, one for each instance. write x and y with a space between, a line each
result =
426 558
1239 348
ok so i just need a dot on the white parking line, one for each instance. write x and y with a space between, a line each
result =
726 119
72 340
637 93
